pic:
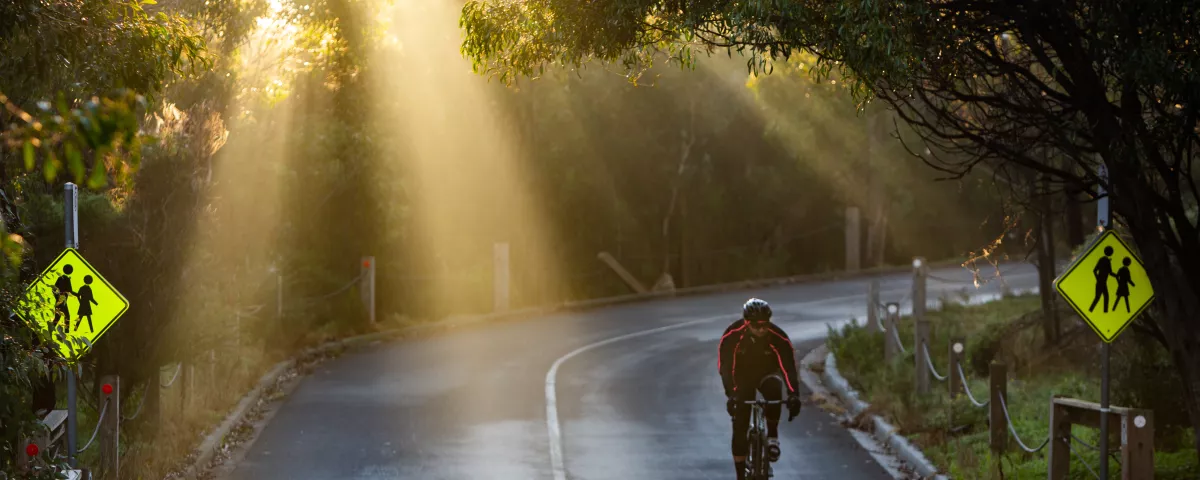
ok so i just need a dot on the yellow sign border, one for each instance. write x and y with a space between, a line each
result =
47 270
1079 260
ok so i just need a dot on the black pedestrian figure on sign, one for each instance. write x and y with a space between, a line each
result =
86 300
1124 281
62 289
1102 271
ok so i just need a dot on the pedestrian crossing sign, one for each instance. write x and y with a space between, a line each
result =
71 304
1107 285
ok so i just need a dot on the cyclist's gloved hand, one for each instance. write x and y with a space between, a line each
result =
730 405
793 405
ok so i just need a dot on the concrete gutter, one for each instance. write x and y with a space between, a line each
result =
213 441
884 432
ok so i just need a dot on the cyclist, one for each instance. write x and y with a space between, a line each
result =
751 349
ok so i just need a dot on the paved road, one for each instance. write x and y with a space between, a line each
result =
472 404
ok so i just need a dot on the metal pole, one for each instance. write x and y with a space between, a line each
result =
71 216
1104 222
1104 414
1103 218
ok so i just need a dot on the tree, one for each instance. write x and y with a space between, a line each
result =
1054 87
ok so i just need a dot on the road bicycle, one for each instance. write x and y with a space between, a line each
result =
758 465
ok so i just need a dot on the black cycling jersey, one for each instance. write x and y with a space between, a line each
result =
744 359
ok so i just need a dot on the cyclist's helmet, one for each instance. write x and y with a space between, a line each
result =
756 310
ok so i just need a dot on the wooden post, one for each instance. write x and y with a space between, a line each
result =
920 357
958 347
1058 455
109 438
997 425
873 306
918 288
152 411
366 287
41 439
1137 445
889 336
185 389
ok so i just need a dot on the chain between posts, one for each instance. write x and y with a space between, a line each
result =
1080 457
178 369
138 411
967 389
929 363
1013 430
99 422
1136 461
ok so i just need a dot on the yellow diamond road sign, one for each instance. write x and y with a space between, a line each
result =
71 304
1107 285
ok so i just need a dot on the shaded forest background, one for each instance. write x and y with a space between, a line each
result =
299 136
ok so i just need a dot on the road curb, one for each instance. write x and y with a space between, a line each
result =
884 432
213 441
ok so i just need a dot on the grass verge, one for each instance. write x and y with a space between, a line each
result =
954 433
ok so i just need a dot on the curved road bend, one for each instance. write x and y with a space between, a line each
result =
472 403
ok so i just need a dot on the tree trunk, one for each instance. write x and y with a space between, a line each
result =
875 205
1046 270
685 154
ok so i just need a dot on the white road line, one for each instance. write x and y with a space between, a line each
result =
554 430
556 450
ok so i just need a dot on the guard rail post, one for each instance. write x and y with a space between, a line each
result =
890 337
920 325
1137 445
35 443
920 355
920 272
185 386
997 425
957 347
873 306
1058 456
110 427
153 408
367 287
1136 440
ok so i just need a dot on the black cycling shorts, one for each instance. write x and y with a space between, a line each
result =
741 415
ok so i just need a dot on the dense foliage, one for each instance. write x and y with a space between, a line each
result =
1048 90
228 148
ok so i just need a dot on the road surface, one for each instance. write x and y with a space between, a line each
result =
625 392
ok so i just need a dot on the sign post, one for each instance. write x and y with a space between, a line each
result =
71 306
71 216
1103 223
1108 286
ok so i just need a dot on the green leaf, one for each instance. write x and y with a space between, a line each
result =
50 168
74 161
28 156
149 2
99 178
